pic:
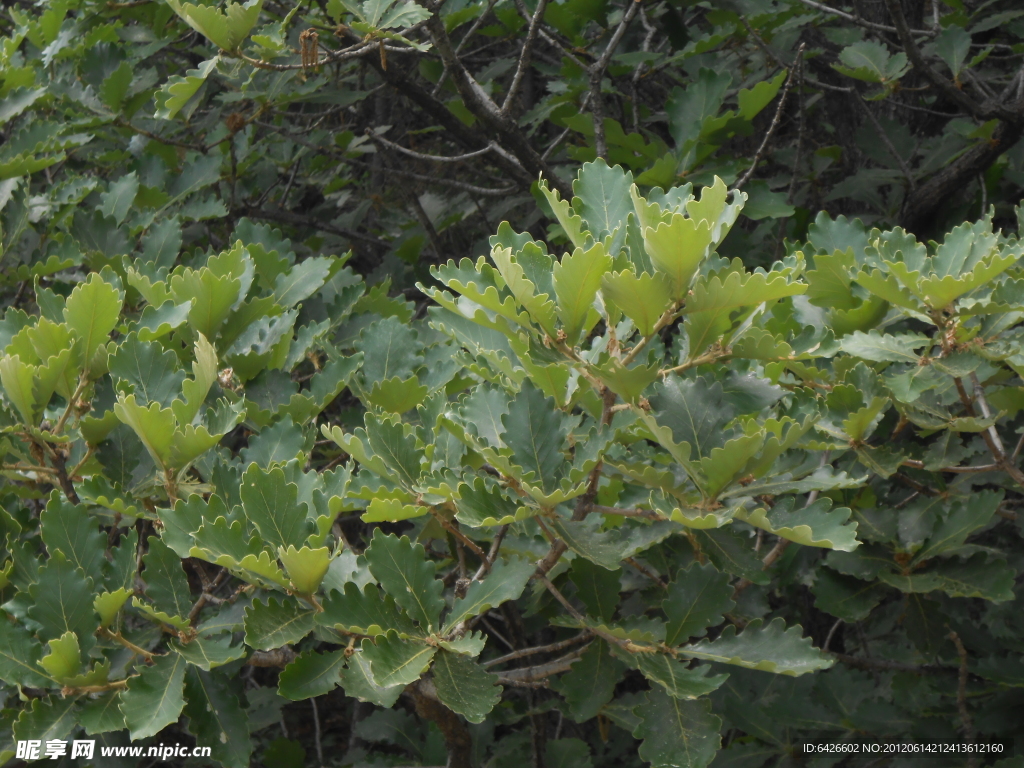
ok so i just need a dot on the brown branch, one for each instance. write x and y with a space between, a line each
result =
949 89
552 648
596 76
457 738
524 56
775 120
279 657
492 554
499 125
966 722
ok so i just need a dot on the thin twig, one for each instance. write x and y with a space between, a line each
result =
316 731
524 56
966 722
774 124
880 131
552 648
420 156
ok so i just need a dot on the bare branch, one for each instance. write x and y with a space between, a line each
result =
524 56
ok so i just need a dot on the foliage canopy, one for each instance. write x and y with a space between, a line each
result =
679 473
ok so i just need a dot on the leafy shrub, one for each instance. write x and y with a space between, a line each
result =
599 461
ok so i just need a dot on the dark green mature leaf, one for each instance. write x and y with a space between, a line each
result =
403 570
312 674
271 504
506 581
963 519
154 698
216 718
70 529
19 652
695 410
697 598
46 719
771 648
275 623
597 587
587 540
589 685
365 612
166 583
536 431
679 681
62 601
464 686
394 661
389 441
677 733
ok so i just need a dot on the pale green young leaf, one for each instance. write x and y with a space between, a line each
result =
225 29
577 278
642 299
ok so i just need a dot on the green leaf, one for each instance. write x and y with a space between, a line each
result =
62 601
880 347
602 198
305 567
103 714
770 648
151 370
46 719
752 100
536 431
829 282
677 733
506 581
68 528
364 612
396 395
166 583
975 577
357 680
816 525
225 29
585 539
674 676
273 624
91 311
64 659
403 570
677 247
577 278
208 652
19 654
271 504
953 46
154 698
845 597
597 587
642 299
464 686
871 62
216 718
118 199
697 599
311 674
154 426
589 684
394 661
396 448
961 520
